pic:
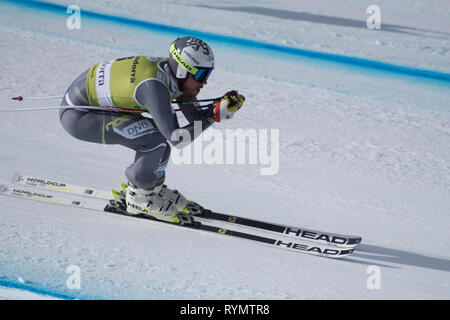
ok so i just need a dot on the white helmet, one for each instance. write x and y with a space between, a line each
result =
191 55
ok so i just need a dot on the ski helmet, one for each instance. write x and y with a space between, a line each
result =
191 55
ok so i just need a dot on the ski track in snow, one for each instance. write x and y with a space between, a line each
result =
360 153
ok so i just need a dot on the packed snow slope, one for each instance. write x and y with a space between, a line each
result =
360 150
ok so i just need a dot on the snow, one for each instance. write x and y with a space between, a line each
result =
360 151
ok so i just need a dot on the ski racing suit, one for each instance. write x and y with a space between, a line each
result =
140 83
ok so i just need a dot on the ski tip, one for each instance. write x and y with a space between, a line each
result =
354 241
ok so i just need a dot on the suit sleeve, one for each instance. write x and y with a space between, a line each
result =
155 97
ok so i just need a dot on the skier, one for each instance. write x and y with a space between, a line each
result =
149 84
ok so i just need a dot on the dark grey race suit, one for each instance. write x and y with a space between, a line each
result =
151 145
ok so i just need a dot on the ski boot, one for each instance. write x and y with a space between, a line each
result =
183 205
162 191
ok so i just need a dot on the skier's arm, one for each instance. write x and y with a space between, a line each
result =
154 95
223 109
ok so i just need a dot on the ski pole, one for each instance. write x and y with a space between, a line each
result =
70 107
21 98
201 100
107 108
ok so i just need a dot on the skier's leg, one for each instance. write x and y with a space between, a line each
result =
146 174
132 131
149 164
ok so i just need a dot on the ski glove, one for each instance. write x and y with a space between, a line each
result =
225 108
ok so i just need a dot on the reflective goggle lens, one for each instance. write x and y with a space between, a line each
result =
203 74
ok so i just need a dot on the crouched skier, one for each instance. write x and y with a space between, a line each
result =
147 84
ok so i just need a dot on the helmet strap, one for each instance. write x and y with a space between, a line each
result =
181 84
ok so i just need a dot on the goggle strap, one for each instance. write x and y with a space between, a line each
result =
173 51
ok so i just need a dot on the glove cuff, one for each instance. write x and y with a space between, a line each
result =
217 111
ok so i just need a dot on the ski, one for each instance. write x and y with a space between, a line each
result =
60 186
115 207
294 232
315 236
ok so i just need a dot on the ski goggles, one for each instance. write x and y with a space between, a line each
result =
200 74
